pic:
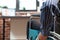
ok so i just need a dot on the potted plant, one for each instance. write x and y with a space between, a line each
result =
24 8
5 7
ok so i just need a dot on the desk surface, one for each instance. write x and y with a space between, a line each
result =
14 16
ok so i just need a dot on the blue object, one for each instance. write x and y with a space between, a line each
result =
33 34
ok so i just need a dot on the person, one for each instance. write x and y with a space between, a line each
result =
49 8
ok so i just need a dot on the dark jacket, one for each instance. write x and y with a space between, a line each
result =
47 17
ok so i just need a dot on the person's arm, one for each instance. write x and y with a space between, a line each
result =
45 19
42 37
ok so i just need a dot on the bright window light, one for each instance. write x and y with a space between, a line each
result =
8 3
27 4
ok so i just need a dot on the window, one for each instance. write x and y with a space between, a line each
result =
8 3
26 5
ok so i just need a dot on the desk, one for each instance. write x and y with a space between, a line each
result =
17 27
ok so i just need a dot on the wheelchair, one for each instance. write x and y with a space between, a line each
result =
33 30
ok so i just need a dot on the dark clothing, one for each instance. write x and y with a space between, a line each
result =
47 17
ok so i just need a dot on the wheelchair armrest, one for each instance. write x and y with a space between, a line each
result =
56 35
